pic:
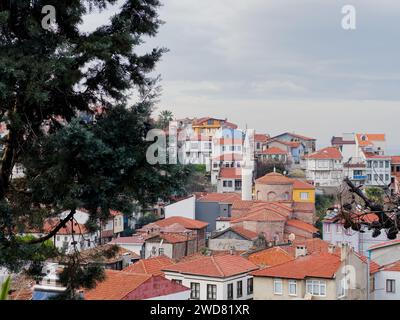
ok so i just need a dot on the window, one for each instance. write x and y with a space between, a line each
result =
250 286
369 177
376 177
177 281
292 288
278 288
387 177
211 292
316 287
375 164
195 290
210 122
338 228
230 291
327 227
387 164
380 164
160 251
390 285
372 284
239 289
304 195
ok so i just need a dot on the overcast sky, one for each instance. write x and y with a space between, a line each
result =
282 65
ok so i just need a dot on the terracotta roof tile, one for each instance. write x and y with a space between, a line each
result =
230 173
270 257
298 184
396 160
319 265
151 266
274 178
116 286
301 225
228 197
186 222
220 266
369 138
248 234
261 215
274 150
137 238
259 137
326 153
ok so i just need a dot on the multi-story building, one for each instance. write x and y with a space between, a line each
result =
220 277
229 180
325 167
329 275
208 126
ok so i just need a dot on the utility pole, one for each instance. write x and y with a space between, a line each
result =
368 275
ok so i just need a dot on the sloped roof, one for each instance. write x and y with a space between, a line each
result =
298 184
274 178
270 257
326 153
369 138
230 173
247 234
135 239
220 266
301 225
228 197
260 137
261 215
116 286
274 150
396 160
318 265
295 135
151 266
186 222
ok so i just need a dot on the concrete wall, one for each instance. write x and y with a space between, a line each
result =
184 208
227 244
386 255
273 192
210 211
380 285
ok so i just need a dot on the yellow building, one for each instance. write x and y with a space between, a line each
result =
207 126
303 192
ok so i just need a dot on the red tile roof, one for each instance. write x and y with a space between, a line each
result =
396 160
274 178
392 267
169 237
313 245
70 227
298 184
384 244
230 173
274 150
151 266
326 153
270 257
295 135
291 144
259 137
318 265
301 225
116 286
370 138
214 266
248 234
137 238
261 215
370 155
186 222
228 197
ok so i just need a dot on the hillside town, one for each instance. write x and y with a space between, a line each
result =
260 229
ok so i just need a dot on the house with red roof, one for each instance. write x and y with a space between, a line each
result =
229 180
152 266
236 238
296 145
120 285
333 275
219 277
274 154
335 233
325 167
386 282
189 228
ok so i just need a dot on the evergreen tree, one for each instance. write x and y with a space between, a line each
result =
48 80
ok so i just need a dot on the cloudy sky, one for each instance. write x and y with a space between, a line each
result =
282 65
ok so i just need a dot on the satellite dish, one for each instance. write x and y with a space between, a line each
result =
292 236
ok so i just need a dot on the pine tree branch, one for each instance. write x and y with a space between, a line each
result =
55 230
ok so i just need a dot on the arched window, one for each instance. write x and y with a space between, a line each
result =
271 196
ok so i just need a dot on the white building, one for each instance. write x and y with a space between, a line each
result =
325 167
386 283
221 277
229 180
336 234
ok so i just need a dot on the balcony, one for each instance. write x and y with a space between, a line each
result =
359 177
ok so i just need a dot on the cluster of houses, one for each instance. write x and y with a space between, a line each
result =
250 238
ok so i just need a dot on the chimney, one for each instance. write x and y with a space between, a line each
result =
344 251
247 183
301 251
331 248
